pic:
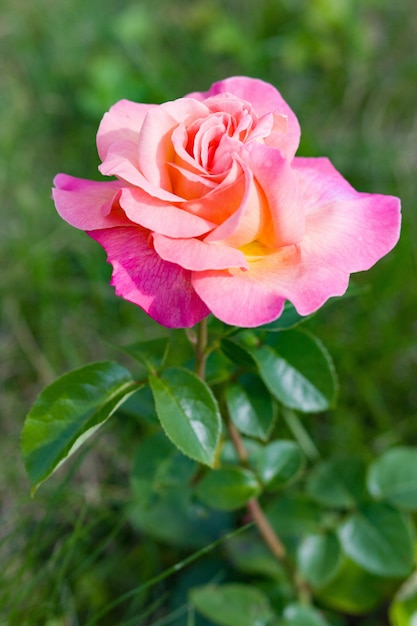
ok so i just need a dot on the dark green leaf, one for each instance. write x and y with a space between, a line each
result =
228 488
237 348
161 505
249 554
142 406
188 413
250 407
217 368
232 604
319 558
296 368
173 518
338 483
279 463
378 538
151 354
393 477
69 411
153 460
293 515
302 615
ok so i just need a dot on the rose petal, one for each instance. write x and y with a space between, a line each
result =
282 191
140 276
223 200
257 296
193 254
265 125
207 139
122 161
187 184
87 204
243 226
186 109
345 229
228 104
123 122
264 99
155 147
237 298
180 139
161 217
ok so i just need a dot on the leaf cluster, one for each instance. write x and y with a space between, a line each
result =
213 446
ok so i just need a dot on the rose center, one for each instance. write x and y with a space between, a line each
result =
219 131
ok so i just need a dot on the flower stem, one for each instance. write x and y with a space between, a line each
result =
268 534
237 442
254 508
265 529
200 349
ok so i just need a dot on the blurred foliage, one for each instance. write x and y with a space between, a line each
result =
348 68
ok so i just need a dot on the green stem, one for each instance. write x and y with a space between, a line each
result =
200 349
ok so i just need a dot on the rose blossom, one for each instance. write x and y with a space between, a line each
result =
210 212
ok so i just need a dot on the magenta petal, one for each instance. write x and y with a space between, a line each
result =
86 204
193 254
140 276
345 229
123 122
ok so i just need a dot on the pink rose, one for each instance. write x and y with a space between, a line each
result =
210 212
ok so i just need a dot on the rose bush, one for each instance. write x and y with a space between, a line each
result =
211 212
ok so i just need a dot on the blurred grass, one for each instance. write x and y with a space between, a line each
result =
349 70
